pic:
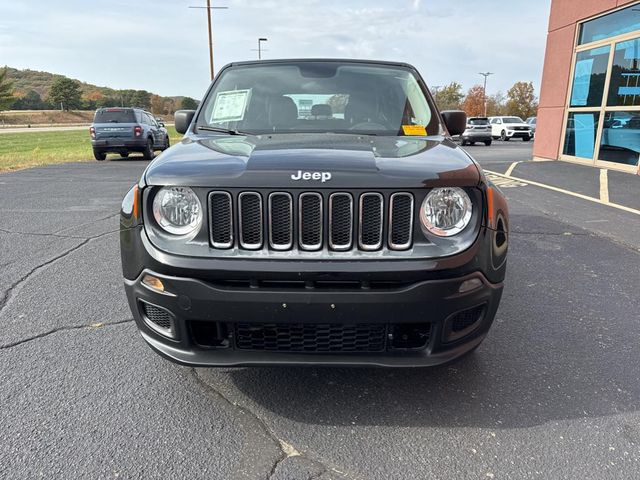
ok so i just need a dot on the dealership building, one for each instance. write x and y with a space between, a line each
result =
590 96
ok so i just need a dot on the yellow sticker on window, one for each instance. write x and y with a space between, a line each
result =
414 130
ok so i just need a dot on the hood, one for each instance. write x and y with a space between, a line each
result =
313 161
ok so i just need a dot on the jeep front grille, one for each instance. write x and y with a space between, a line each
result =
250 223
221 216
311 221
400 221
280 221
340 221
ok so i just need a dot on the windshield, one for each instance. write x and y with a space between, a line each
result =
114 115
478 121
512 120
319 97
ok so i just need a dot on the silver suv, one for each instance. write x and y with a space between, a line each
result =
478 130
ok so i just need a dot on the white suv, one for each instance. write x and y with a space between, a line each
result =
506 128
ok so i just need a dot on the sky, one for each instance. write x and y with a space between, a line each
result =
162 45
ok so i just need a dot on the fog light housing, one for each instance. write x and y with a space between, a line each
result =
469 285
154 283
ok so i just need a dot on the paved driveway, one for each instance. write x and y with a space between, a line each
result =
552 393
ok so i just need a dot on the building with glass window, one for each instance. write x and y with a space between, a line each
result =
590 96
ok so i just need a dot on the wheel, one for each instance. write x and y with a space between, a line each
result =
148 153
471 142
124 154
99 155
503 136
166 143
487 143
526 139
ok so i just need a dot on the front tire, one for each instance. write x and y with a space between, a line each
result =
99 155
124 154
503 136
487 143
527 139
148 153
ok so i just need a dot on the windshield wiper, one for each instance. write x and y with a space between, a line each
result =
222 130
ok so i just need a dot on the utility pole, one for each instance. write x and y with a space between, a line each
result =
260 40
260 49
484 89
209 8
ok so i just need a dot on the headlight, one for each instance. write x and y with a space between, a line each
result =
177 210
446 211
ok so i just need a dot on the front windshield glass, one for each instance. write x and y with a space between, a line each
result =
321 97
512 120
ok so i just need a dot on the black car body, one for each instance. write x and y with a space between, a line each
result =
311 246
124 130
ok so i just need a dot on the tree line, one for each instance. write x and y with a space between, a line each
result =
519 101
67 94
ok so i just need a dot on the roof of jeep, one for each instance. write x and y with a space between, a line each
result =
319 60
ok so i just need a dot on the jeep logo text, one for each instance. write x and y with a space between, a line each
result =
322 176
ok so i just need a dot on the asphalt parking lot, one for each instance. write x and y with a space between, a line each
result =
553 392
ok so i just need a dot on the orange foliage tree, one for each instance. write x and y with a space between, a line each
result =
473 103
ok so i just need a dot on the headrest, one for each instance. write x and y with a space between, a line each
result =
321 110
359 109
282 112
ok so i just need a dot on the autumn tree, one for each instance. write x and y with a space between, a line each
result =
141 99
188 103
496 105
473 103
30 101
449 97
157 104
66 93
6 90
521 100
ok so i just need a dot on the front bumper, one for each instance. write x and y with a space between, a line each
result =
519 134
433 302
223 294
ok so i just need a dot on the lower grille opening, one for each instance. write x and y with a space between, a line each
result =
158 319
410 335
465 319
342 285
209 334
306 337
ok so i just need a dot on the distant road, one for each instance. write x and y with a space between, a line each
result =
42 129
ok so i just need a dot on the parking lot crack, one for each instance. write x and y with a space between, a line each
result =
56 235
285 449
87 223
8 294
554 234
63 329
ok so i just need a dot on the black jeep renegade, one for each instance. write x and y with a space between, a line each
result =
315 212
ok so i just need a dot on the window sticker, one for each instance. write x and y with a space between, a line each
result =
584 128
418 130
230 106
581 82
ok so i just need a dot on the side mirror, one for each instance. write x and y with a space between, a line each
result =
183 119
161 124
455 121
